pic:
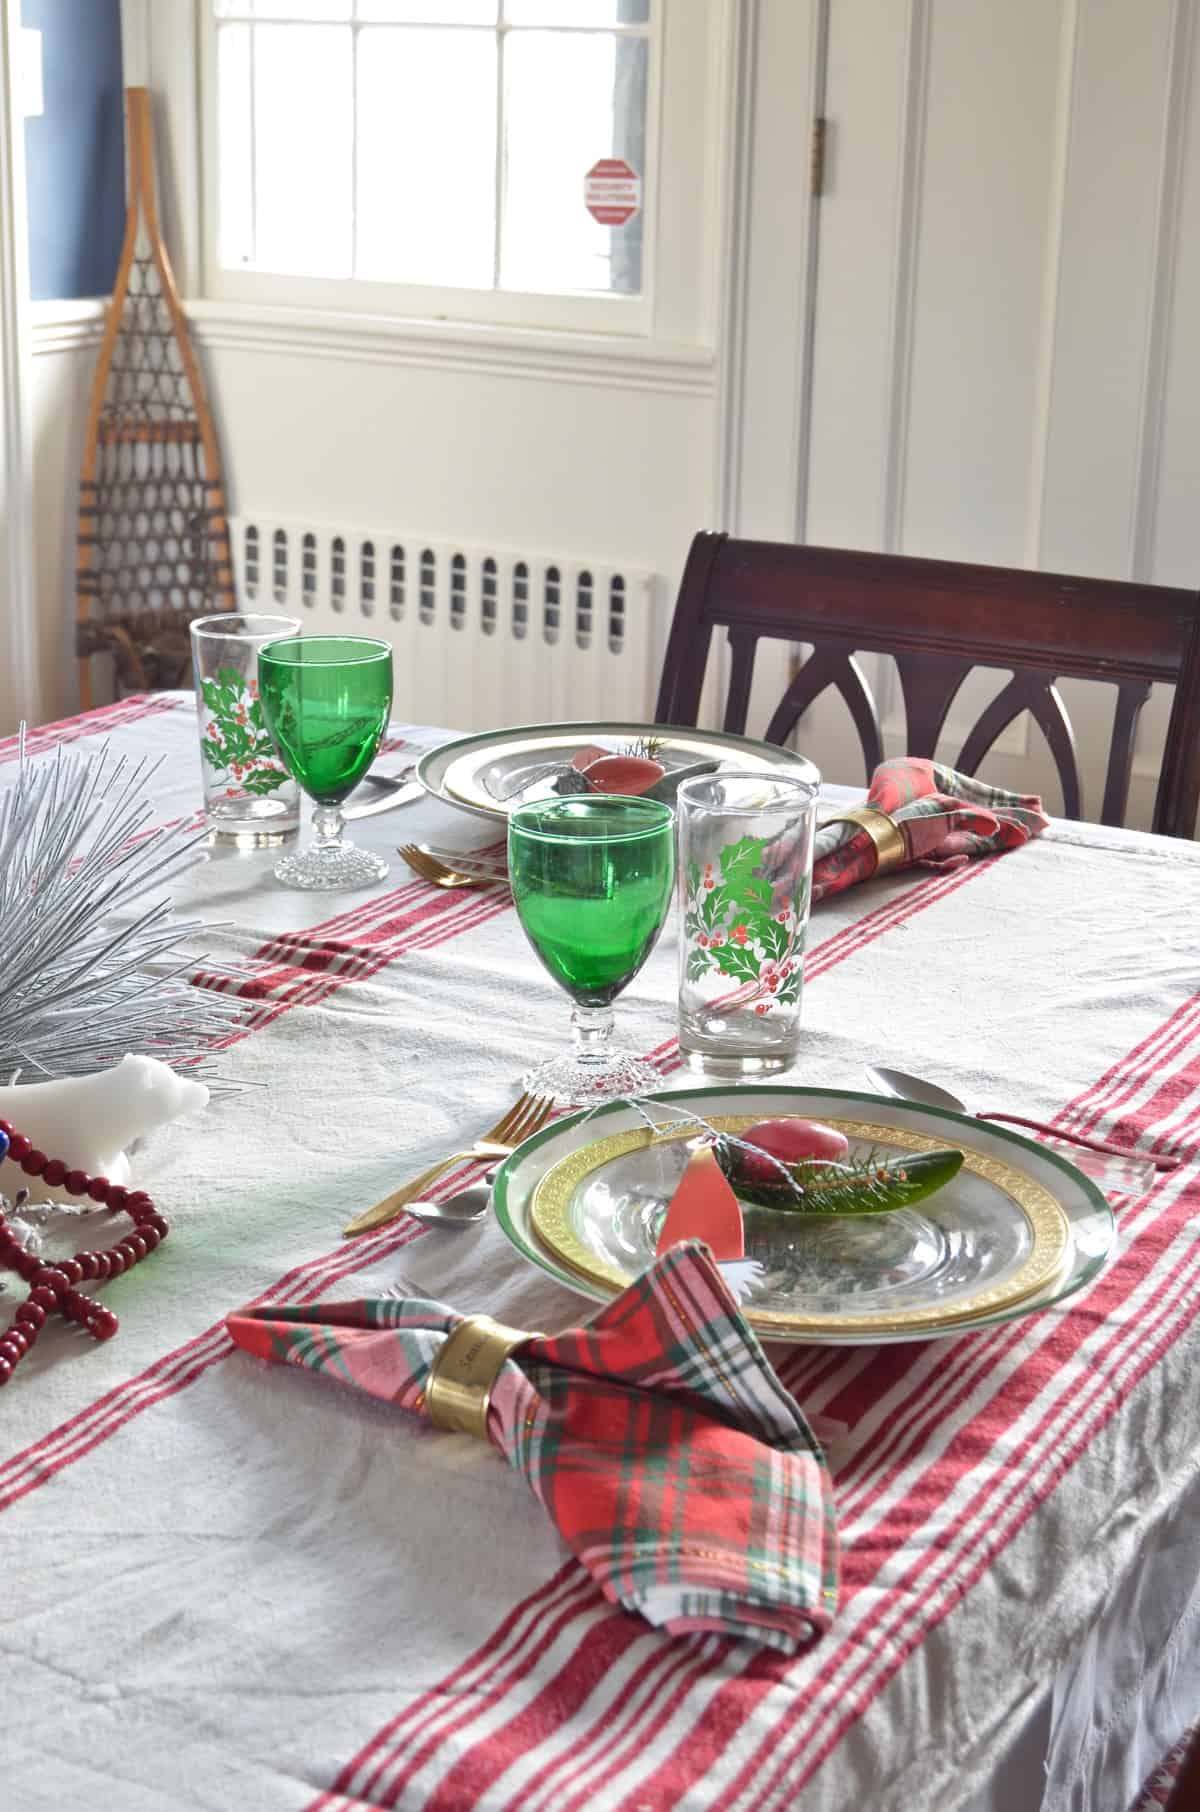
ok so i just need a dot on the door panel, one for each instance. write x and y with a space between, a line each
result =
1006 267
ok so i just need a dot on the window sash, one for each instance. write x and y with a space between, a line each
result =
556 309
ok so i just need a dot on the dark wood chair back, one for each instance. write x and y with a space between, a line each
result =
939 619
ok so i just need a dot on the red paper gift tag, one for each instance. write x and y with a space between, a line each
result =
704 1207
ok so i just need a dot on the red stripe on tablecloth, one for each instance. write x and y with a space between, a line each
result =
674 1783
735 1702
938 1395
833 951
570 1587
1168 1318
173 1371
1069 1117
549 1627
100 722
1061 1344
660 1689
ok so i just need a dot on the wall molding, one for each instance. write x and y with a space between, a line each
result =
1167 216
595 359
19 638
808 314
739 59
66 326
911 162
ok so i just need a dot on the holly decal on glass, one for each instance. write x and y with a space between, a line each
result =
739 926
236 740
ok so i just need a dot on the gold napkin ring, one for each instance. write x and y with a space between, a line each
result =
464 1374
891 851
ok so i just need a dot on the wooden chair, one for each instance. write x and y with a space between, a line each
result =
1185 1794
939 619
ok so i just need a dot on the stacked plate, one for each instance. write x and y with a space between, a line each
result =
1018 1229
494 772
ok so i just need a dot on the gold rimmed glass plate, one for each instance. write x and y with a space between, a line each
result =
492 773
1018 1228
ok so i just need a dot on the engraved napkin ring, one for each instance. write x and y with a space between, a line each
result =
891 851
464 1374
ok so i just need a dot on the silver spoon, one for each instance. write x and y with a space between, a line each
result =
461 1210
904 1087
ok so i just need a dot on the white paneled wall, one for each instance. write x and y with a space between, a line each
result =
1005 363
483 636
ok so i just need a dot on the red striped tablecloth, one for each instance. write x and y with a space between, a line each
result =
225 1587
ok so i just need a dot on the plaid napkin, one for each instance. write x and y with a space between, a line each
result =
658 1438
945 818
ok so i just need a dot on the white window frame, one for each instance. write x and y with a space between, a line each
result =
633 316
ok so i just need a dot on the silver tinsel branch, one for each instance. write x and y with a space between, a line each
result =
91 965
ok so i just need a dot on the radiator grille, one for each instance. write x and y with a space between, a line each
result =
483 636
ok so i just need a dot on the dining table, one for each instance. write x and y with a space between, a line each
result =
225 1584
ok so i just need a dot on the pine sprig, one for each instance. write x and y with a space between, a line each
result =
93 962
865 1184
643 748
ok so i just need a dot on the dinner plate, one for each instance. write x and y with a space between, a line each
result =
490 774
1018 1228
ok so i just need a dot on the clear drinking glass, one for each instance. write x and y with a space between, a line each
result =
591 880
249 796
745 879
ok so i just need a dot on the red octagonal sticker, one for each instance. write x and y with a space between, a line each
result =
612 191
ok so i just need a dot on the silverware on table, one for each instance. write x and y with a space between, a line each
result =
1138 1168
528 1115
461 1210
461 871
381 792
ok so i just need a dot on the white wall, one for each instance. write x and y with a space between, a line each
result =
65 339
1006 367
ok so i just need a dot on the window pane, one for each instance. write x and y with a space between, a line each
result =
303 105
431 12
577 12
427 156
317 10
570 99
235 211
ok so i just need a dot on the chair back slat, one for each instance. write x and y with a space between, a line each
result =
831 667
939 620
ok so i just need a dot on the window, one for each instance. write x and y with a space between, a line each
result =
452 148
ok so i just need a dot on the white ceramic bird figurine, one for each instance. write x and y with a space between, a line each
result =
87 1121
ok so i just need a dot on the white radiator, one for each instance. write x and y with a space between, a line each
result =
484 637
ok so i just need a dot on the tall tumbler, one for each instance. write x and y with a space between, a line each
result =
745 880
249 796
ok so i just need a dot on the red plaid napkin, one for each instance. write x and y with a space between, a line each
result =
946 819
659 1439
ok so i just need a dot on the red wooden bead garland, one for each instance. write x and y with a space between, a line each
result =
55 1286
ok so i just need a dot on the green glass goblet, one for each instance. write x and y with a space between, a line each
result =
326 700
591 878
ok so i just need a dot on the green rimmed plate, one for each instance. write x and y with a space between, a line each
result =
475 773
1018 1229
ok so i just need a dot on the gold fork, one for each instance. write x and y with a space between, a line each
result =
441 874
526 1116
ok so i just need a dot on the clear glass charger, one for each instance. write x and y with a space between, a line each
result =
951 1265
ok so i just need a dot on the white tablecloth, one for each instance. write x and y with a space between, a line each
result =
223 1585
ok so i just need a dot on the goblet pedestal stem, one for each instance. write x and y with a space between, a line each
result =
592 1029
595 1069
330 861
328 822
